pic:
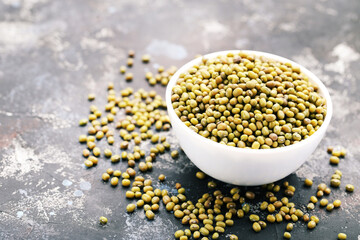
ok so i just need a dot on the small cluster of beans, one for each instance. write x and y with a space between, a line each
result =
162 77
249 102
142 111
149 198
323 189
336 179
130 61
336 154
213 212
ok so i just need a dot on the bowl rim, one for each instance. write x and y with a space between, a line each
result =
312 77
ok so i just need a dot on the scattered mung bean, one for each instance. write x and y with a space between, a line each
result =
200 175
311 224
308 182
130 208
103 220
342 236
349 188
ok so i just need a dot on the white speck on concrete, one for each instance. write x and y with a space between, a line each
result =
57 155
91 86
345 55
67 183
23 192
341 99
96 45
213 29
20 161
12 3
105 33
15 35
156 66
27 11
112 10
168 49
330 11
241 43
39 204
85 186
56 122
70 202
9 114
78 193
288 26
55 41
19 214
107 210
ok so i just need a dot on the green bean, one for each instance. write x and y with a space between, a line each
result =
349 188
103 220
256 227
342 236
308 182
287 235
130 208
311 224
200 175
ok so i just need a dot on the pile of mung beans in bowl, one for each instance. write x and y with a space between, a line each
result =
247 117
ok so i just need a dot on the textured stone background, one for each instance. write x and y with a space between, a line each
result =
53 53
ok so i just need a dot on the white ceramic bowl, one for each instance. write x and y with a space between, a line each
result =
242 166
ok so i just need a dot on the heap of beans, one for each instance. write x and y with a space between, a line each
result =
246 101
